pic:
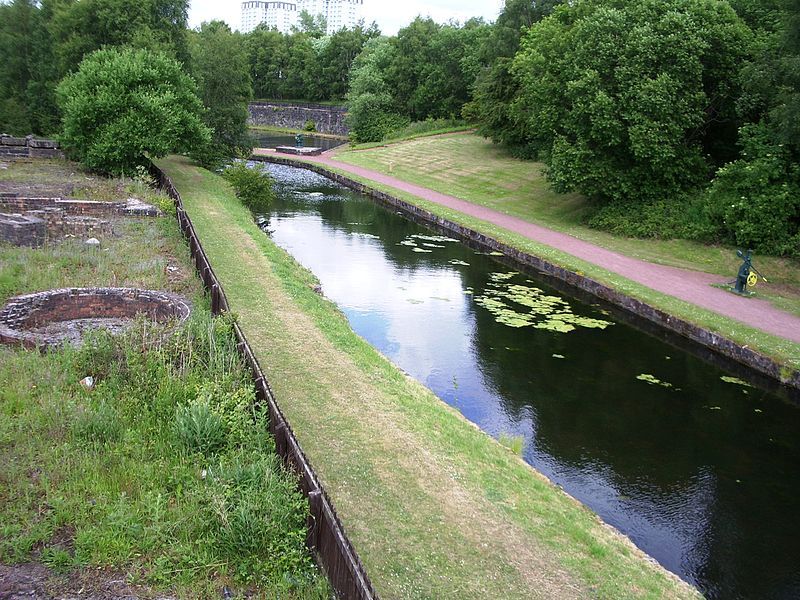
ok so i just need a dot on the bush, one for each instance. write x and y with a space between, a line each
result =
253 184
123 106
681 217
755 201
310 126
428 126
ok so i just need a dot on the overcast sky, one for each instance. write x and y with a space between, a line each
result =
389 15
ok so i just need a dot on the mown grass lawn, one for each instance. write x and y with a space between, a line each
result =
435 508
470 167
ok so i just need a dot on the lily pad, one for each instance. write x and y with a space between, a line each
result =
427 245
407 243
433 238
735 381
559 356
457 262
421 250
653 380
518 305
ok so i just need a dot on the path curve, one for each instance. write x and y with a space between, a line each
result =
690 286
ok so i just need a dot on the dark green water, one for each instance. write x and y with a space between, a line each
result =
699 471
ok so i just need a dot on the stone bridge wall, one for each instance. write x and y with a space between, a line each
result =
327 119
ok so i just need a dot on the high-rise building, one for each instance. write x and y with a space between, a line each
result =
283 15
343 13
275 15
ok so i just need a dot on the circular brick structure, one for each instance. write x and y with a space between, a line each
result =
56 317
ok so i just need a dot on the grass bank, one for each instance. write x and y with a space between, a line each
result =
472 168
160 479
434 507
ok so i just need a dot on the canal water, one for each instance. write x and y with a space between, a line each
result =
697 465
268 139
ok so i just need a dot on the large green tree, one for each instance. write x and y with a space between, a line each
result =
622 98
220 67
370 104
493 87
124 105
80 27
755 200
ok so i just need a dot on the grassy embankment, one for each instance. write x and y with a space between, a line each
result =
160 475
434 507
471 168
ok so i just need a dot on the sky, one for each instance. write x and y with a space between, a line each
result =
389 15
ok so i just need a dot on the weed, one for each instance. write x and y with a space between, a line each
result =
515 443
199 429
100 425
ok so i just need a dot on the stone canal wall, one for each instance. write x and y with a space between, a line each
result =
285 115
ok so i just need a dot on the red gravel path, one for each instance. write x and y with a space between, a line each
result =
691 286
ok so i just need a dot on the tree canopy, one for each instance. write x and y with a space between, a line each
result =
617 93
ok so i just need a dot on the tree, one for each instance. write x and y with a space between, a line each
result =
267 53
624 98
123 106
493 87
337 56
219 65
312 25
370 103
16 24
754 201
81 27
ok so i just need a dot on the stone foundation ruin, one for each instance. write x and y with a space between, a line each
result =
52 318
26 221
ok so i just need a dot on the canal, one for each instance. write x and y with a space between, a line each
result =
696 464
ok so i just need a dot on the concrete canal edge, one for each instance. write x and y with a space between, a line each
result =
713 341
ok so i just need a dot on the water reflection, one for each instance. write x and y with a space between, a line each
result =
700 472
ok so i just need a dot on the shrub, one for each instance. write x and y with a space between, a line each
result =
253 184
755 201
123 106
310 126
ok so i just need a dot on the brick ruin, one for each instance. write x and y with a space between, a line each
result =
52 318
29 146
32 222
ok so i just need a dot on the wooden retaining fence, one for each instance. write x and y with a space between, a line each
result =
326 536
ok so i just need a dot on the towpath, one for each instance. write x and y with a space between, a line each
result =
691 286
